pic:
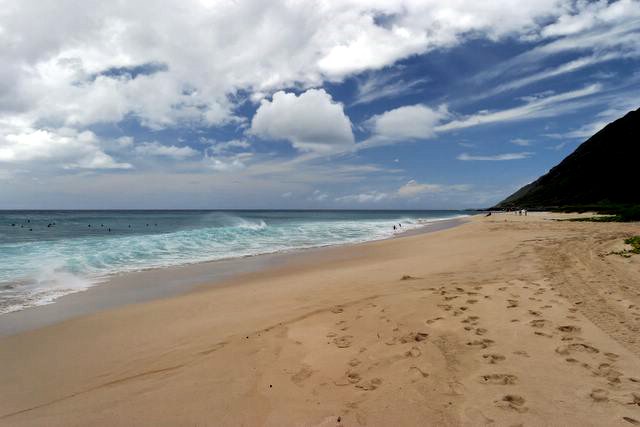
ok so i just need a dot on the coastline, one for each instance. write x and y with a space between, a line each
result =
164 282
503 320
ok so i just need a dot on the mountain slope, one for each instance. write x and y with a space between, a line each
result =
602 171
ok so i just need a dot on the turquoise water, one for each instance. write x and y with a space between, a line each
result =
47 254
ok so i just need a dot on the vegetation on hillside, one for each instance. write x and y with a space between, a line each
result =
600 175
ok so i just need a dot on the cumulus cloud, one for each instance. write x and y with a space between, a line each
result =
156 149
95 62
408 122
311 121
496 157
62 148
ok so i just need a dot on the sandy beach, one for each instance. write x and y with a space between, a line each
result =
504 320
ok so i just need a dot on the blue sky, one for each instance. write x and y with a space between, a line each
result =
353 104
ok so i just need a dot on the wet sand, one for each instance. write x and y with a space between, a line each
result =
504 320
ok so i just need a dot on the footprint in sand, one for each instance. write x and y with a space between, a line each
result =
343 341
569 329
538 323
493 358
414 352
408 338
542 334
430 321
579 347
353 377
631 420
372 384
607 371
472 301
300 376
470 319
521 353
512 303
354 362
337 309
499 379
414 336
512 402
484 343
481 331
599 395
419 373
535 313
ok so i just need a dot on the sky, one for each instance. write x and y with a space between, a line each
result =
253 104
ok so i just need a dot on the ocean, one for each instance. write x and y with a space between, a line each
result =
47 254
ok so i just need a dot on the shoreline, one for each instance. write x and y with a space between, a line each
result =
504 320
132 287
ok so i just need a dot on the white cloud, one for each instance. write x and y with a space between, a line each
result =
414 188
228 163
408 122
156 149
318 196
538 107
521 142
63 148
367 197
385 84
311 121
585 16
496 157
92 62
421 122
224 146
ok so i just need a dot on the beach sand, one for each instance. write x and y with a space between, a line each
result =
504 320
